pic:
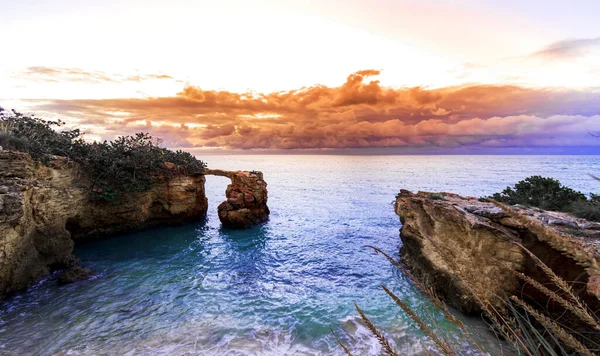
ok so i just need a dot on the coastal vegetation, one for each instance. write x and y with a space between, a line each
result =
126 164
588 209
550 194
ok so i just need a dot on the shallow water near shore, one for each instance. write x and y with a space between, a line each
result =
275 289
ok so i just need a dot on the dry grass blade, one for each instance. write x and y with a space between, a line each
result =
427 291
492 305
559 282
556 240
379 336
346 350
441 334
422 325
400 266
556 329
431 295
503 324
583 314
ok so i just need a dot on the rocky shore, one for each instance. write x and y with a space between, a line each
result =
456 244
46 209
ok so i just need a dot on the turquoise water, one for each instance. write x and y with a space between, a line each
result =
275 289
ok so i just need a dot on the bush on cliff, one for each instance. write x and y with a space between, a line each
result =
541 192
12 143
33 135
130 164
588 209
126 164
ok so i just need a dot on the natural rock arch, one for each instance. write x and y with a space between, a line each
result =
246 203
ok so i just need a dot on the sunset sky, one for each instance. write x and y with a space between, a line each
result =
328 74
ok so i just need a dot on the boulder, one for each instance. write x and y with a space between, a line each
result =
74 274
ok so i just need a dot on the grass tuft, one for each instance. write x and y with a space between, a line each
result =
441 344
558 242
552 326
389 350
344 347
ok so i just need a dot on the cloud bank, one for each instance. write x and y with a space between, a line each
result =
359 113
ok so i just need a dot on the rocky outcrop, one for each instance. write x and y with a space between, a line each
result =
455 245
74 274
246 203
44 209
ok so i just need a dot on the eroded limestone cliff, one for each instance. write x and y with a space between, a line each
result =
44 209
455 244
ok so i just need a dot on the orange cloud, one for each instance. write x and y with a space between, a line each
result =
359 113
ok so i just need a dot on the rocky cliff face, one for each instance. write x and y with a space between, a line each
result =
454 244
246 203
43 210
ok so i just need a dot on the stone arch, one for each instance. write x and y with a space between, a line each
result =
246 198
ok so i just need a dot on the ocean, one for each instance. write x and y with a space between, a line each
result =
275 289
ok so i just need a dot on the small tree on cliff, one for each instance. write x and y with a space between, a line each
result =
541 192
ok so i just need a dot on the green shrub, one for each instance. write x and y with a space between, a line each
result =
589 210
126 164
185 160
10 142
541 192
130 164
34 135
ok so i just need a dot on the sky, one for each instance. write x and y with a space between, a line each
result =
317 75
